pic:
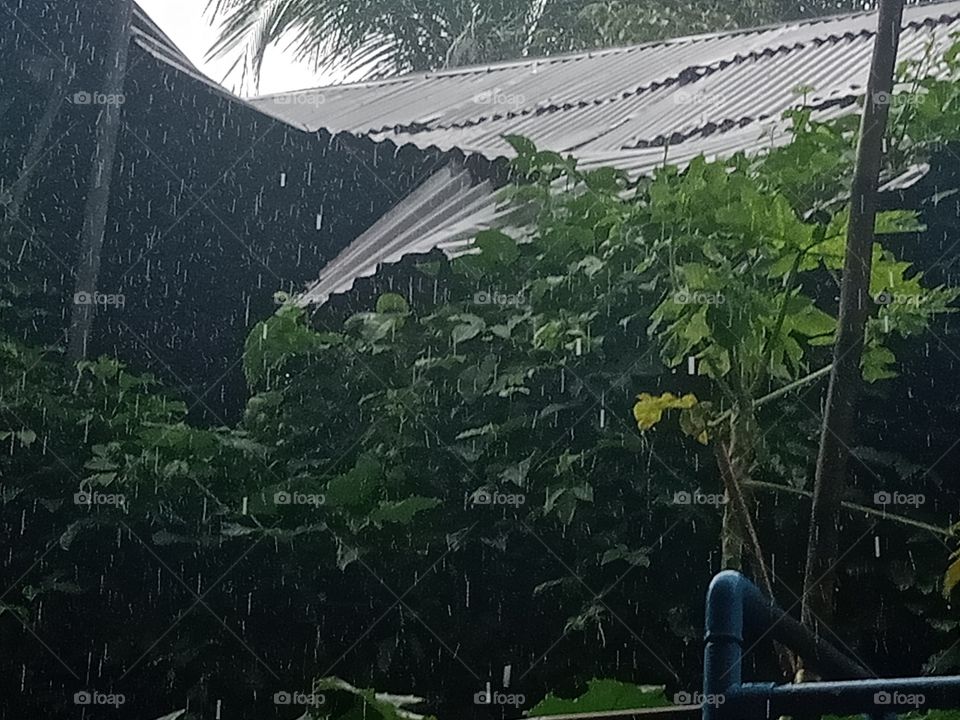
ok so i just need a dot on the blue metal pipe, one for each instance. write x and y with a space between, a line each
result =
734 604
736 609
872 697
724 633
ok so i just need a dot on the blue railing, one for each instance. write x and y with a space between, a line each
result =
736 609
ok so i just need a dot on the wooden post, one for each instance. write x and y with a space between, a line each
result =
855 303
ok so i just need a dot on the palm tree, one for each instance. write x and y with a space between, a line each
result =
372 38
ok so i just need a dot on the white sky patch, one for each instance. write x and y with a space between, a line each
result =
185 23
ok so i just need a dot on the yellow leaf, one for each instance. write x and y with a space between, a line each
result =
952 577
649 409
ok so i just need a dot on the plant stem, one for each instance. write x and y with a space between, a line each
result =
790 387
779 392
945 532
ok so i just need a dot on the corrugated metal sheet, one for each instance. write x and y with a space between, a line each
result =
148 35
448 197
619 98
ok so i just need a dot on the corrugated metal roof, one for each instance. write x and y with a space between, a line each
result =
446 198
620 98
149 36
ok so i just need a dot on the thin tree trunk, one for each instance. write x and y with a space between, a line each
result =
38 141
845 376
735 459
98 195
731 534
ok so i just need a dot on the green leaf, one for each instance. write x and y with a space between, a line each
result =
696 328
877 364
346 702
813 322
517 473
357 486
392 303
278 338
603 696
637 558
470 326
497 248
403 511
952 577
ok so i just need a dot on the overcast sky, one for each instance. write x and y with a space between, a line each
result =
184 22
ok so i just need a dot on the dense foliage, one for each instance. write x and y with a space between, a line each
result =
485 476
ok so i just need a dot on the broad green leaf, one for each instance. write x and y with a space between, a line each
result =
603 696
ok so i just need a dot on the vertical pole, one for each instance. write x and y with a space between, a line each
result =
723 652
837 429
